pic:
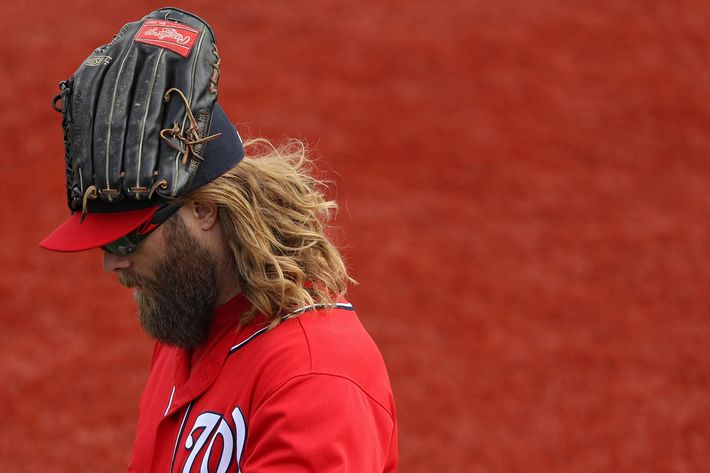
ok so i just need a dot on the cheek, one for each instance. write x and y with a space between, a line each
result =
149 253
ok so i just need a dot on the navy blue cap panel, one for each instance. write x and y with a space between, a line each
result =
222 154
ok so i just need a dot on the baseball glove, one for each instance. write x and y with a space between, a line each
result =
137 112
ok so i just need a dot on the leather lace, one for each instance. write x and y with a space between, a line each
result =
188 138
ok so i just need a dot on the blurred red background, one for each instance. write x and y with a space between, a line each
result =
524 191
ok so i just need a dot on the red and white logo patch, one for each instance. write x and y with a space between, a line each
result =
169 35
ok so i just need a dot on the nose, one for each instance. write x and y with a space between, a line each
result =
114 263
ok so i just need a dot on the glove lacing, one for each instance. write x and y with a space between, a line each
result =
190 137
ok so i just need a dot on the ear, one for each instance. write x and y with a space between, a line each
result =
204 214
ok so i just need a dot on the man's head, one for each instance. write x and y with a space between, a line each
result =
155 177
141 127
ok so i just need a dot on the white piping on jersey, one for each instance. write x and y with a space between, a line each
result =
177 440
249 339
344 306
170 402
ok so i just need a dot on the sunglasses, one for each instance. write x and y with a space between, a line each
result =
128 243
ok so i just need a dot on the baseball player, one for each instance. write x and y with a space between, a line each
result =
260 363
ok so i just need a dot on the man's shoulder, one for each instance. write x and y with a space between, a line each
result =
316 341
303 339
338 342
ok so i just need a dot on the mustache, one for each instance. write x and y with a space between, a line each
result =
131 280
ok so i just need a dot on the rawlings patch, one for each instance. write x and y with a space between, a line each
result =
170 35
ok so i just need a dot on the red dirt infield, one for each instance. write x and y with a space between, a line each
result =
524 200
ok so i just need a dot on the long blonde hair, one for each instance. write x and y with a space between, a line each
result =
274 214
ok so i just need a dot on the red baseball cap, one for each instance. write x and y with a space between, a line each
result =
106 222
97 229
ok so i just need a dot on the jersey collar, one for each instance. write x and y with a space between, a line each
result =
196 370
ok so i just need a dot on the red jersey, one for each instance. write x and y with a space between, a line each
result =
311 395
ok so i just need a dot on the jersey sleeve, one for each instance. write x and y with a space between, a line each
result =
324 423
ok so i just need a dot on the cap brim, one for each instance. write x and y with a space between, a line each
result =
96 230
